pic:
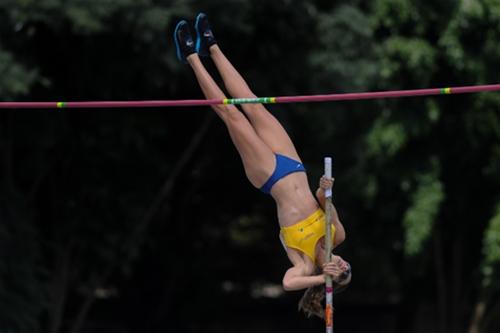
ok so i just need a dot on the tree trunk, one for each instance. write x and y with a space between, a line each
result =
135 237
490 321
7 157
441 287
456 322
477 317
174 280
87 303
58 292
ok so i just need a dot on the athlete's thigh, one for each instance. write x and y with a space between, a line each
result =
270 130
258 158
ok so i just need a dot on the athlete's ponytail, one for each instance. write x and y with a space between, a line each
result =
311 302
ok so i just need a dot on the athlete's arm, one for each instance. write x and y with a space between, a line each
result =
324 184
296 278
300 276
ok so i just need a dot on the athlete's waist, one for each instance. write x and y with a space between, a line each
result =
304 220
292 184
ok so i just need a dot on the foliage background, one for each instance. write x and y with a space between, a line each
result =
127 220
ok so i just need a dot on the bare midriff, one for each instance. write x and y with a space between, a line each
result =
294 199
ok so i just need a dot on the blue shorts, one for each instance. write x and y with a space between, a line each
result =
284 167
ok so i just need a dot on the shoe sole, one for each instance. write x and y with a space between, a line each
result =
177 45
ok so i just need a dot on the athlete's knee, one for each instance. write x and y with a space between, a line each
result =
253 108
234 115
221 110
229 113
255 111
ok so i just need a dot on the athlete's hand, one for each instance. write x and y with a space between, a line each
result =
332 269
336 267
326 183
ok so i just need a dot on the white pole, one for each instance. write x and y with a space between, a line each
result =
328 249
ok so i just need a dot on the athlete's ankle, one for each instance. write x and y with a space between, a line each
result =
191 58
214 49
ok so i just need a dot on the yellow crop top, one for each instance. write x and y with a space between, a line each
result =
304 235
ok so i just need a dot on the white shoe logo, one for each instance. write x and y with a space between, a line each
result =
207 34
189 43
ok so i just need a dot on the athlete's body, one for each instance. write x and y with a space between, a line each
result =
271 164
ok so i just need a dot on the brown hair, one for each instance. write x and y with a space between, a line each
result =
312 301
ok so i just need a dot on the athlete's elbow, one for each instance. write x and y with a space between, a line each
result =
320 194
288 285
340 238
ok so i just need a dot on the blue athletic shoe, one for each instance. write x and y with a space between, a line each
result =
183 41
204 35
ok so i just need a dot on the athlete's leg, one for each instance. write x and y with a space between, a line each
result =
258 159
265 124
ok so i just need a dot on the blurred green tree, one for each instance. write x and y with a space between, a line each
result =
131 204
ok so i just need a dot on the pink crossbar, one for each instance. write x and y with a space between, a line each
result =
282 99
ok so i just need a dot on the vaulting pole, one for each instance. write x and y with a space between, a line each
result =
328 249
